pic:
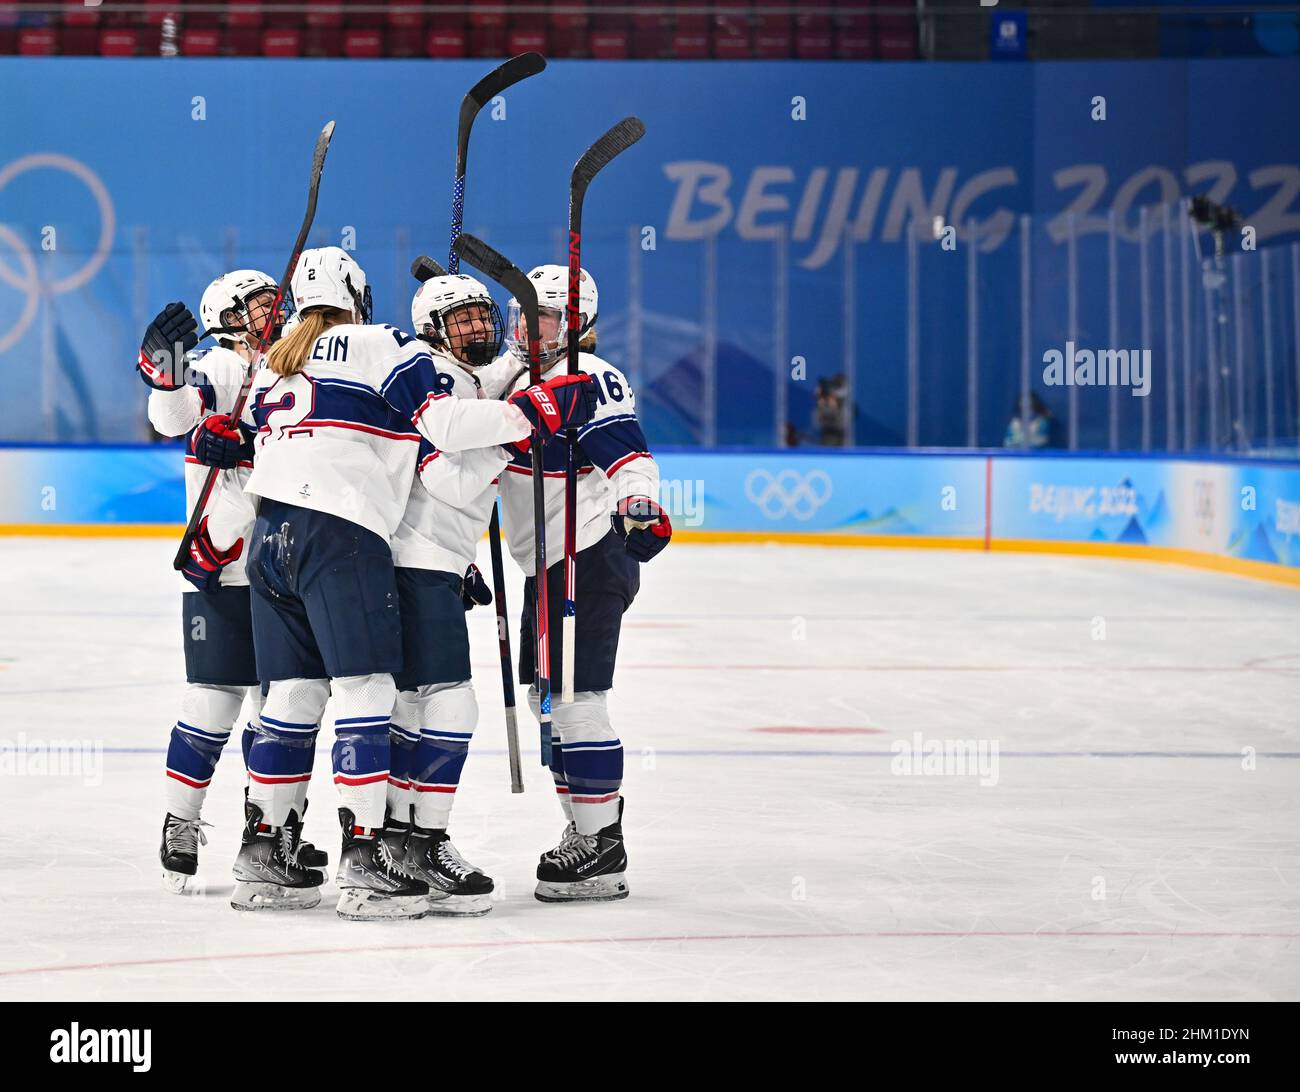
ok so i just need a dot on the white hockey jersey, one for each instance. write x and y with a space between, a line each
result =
613 462
217 376
342 435
453 494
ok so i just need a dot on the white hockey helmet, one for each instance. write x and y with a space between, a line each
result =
552 284
224 307
457 314
329 277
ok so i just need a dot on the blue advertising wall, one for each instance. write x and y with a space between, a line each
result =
1237 516
128 183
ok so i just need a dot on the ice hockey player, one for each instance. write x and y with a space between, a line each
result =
619 525
338 414
188 388
437 582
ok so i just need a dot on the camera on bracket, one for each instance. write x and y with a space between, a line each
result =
1218 218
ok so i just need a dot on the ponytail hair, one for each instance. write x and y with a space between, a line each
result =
289 354
587 343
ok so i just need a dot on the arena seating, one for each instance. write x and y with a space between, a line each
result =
766 30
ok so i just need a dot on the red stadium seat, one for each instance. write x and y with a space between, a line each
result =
405 40
566 20
772 37
813 44
193 20
36 42
363 43
200 43
82 41
690 45
526 40
406 18
487 40
242 42
8 40
609 45
243 13
486 19
649 43
281 43
118 43
445 41
322 42
896 37
732 38
855 38
324 18
566 42
81 17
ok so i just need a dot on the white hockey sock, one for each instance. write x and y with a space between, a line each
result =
403 736
363 711
284 746
197 737
593 759
447 715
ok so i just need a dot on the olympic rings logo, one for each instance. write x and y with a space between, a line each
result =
788 493
28 278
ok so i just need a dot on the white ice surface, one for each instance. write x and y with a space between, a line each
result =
768 860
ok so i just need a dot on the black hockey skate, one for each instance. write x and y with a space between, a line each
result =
179 851
570 833
298 851
590 868
395 833
373 885
266 878
456 887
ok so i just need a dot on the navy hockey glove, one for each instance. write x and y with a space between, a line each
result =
216 442
203 567
474 589
644 526
563 402
171 335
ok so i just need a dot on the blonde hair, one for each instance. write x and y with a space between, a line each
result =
587 344
289 354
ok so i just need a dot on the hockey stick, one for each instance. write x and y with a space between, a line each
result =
483 92
618 139
503 76
514 281
264 338
425 268
422 269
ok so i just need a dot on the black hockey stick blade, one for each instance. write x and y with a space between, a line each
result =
281 292
619 138
504 75
425 268
500 269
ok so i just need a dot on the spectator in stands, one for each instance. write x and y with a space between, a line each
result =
830 416
1035 430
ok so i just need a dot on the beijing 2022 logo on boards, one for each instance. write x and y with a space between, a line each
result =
788 492
27 278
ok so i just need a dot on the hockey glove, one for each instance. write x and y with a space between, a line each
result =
171 335
216 442
474 589
563 402
644 526
203 567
